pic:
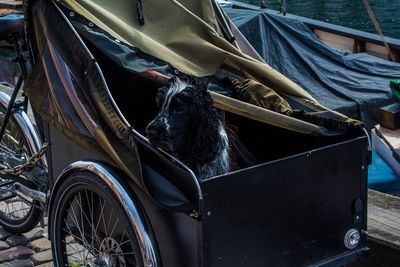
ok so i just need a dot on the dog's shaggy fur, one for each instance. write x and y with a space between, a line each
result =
188 127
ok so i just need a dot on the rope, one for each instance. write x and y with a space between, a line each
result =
378 28
139 11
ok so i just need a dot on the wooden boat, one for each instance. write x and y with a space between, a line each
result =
342 38
383 209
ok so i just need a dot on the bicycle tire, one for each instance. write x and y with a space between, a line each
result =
12 219
89 226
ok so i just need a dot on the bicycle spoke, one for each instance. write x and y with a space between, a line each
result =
72 235
109 222
81 231
17 209
90 223
86 210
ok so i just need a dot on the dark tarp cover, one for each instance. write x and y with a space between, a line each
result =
356 84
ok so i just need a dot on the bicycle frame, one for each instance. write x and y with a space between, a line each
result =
20 58
17 110
31 177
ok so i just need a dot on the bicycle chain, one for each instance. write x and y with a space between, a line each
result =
30 164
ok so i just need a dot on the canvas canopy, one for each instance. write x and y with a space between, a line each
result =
185 34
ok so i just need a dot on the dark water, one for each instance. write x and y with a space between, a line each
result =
349 13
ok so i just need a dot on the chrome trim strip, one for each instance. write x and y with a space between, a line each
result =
66 78
146 244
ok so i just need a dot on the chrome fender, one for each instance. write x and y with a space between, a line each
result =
130 205
25 124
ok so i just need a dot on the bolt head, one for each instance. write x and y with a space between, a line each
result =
352 238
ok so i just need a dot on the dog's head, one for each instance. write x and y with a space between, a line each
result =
186 124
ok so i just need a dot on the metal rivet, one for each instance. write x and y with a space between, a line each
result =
209 213
176 72
72 14
362 167
364 232
118 41
91 24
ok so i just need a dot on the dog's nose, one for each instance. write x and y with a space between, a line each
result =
154 129
151 132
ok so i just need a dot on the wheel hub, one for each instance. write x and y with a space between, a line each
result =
113 254
104 261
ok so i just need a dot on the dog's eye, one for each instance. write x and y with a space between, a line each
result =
177 106
179 110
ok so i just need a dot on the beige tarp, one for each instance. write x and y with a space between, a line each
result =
185 34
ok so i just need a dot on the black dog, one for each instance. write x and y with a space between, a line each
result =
188 127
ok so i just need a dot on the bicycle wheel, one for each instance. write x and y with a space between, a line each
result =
18 213
90 227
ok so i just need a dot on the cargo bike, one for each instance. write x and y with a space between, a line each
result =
90 70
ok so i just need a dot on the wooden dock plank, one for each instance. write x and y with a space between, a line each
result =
10 7
378 216
383 231
11 2
388 215
384 219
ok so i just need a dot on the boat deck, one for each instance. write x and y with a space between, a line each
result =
383 230
384 219
384 209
